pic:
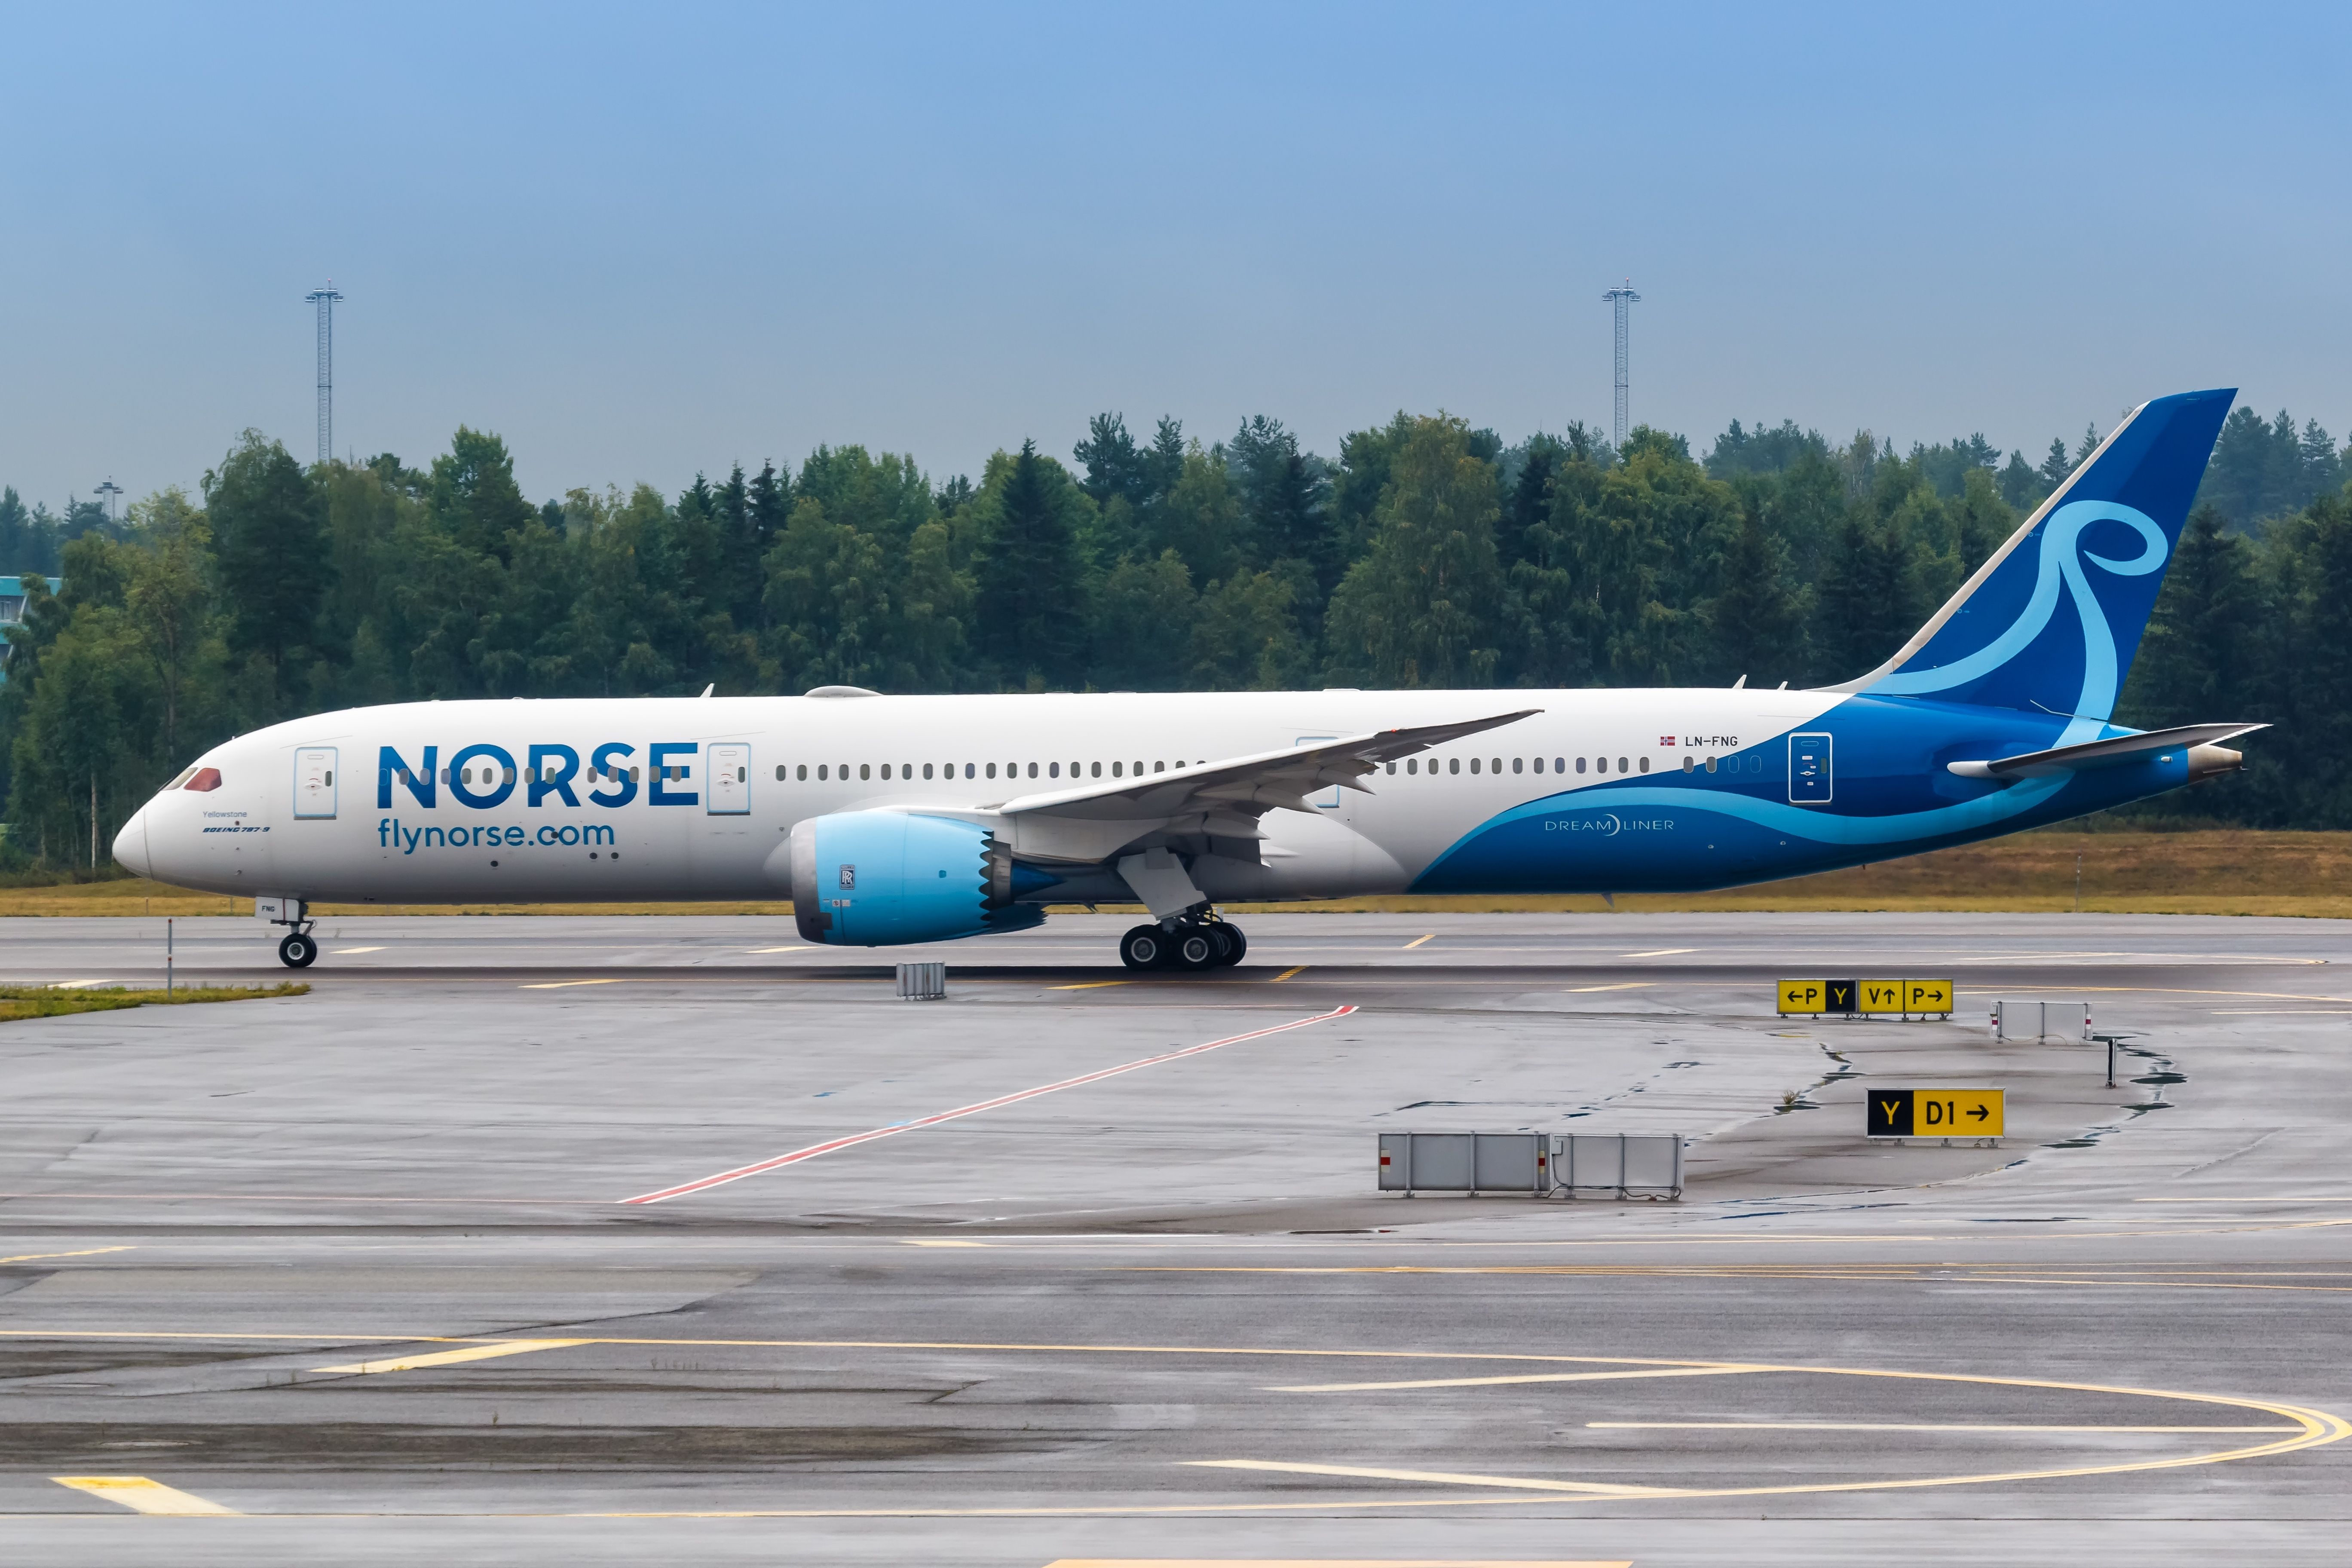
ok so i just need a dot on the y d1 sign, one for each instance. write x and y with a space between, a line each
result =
1935 1113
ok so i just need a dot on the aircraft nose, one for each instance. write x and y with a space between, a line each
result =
131 844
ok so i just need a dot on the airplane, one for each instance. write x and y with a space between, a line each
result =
900 819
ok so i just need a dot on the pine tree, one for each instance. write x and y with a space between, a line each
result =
1030 594
1758 619
2056 466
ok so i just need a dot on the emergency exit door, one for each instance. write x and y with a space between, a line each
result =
729 784
314 781
1809 780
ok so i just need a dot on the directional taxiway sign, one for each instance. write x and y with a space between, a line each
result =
1852 996
1935 1113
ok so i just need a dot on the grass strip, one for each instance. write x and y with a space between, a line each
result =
50 1002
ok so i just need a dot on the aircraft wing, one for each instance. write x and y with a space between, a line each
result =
1251 785
2115 750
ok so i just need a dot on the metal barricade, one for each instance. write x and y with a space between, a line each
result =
2011 1020
922 981
1630 1165
1469 1163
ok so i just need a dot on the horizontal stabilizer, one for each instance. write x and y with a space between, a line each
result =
2110 752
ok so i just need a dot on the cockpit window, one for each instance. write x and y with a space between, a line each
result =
185 774
204 779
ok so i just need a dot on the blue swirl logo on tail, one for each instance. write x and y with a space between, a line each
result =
2061 557
2051 621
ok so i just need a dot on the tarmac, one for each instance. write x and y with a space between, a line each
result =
606 1240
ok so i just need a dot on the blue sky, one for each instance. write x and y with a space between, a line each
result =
638 242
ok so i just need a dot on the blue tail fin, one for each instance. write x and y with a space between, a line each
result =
2051 621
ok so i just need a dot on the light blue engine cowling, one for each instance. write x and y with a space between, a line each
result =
876 879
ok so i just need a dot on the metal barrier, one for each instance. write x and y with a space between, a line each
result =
922 981
1630 1165
2010 1018
1470 1163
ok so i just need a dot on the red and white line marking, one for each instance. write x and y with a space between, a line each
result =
814 1149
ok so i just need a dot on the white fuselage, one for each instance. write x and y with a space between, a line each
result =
334 807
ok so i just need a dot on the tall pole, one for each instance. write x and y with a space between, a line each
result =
325 299
1624 299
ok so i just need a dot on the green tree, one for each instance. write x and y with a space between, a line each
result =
1032 619
1757 618
472 496
270 536
1423 605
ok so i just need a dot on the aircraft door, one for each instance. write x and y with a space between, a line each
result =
1328 800
314 781
729 790
1810 778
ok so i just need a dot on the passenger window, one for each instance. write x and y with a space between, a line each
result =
1580 764
1474 765
1538 764
1560 764
1710 765
1518 764
1453 765
1646 765
1413 764
1095 769
992 769
1033 770
1498 764
865 770
1622 766
885 770
1392 767
1114 769
1688 765
1159 767
1053 770
926 769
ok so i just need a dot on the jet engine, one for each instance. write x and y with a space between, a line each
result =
877 878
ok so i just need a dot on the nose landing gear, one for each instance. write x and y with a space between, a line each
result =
299 948
1191 944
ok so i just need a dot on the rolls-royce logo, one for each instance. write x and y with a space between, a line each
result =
848 877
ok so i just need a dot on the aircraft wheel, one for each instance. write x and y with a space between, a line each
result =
1233 942
1145 947
1195 947
298 951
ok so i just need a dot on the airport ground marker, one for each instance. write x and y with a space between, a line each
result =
141 1495
832 1144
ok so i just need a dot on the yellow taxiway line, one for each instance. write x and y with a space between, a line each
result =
143 1495
451 1358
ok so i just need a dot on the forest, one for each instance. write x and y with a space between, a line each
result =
1426 552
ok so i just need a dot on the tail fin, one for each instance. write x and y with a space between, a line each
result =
2051 621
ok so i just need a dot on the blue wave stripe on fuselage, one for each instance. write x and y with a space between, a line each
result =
1679 831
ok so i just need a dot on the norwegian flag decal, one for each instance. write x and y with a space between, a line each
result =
1666 739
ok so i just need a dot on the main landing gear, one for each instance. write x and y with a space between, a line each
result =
298 950
1187 944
